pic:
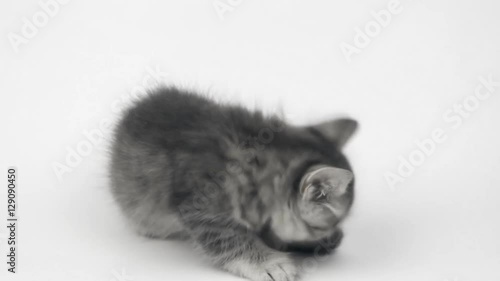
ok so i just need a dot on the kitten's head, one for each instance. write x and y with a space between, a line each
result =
325 190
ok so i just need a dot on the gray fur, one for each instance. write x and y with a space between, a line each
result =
229 179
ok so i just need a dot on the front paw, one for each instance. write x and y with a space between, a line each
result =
277 267
281 268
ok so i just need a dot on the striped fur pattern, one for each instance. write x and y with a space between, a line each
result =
232 181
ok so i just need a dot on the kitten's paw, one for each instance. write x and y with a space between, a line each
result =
281 269
276 268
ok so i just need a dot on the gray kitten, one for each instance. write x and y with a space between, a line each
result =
245 188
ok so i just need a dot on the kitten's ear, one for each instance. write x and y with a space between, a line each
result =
338 131
322 182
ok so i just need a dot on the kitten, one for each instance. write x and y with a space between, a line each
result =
245 188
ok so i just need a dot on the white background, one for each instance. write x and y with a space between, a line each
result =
441 223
